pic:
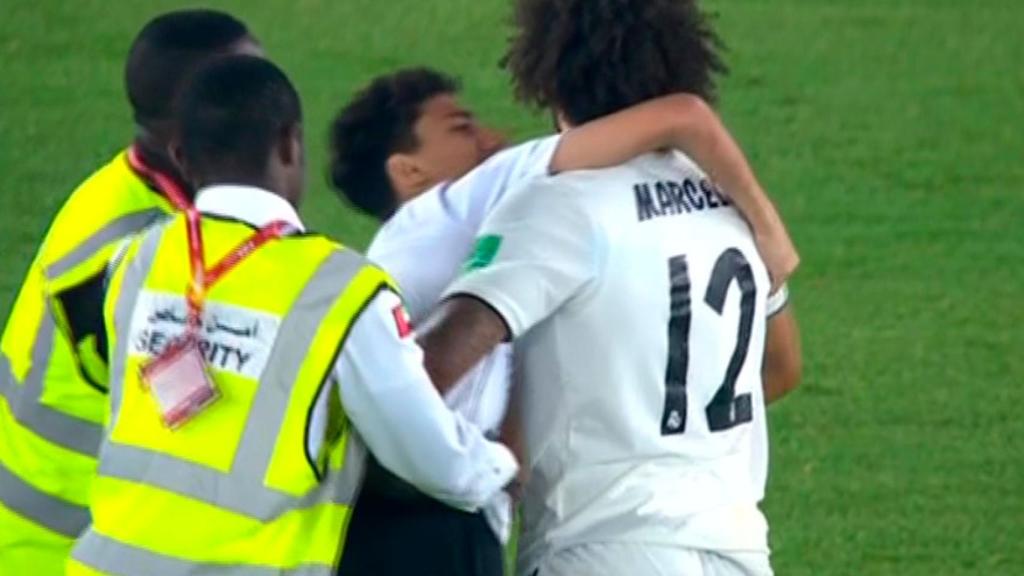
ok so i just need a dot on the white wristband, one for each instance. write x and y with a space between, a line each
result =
777 301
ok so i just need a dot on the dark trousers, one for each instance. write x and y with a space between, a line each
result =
413 535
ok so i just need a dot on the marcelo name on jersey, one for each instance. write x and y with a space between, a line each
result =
671 198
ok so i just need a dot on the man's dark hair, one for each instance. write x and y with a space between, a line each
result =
168 50
233 114
590 58
378 122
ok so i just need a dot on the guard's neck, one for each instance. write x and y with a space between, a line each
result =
153 153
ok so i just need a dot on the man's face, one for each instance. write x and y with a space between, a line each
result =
451 141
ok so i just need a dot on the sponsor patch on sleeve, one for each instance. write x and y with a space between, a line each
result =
484 253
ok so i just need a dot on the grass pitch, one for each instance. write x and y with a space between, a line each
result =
890 133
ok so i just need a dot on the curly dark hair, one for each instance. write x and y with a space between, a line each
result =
590 58
378 122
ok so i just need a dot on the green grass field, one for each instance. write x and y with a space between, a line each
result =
892 135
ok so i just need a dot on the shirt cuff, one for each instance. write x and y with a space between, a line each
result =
777 301
499 469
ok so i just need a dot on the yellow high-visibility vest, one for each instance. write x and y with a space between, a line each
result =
236 490
52 405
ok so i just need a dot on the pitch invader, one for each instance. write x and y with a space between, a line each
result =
642 322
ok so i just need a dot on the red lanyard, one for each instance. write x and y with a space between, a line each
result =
162 181
204 278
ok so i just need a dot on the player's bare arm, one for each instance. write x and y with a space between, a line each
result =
687 123
511 434
456 336
783 361
511 427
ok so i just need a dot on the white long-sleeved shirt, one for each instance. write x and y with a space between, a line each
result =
386 392
426 243
424 246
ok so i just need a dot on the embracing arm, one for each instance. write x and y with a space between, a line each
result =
456 336
687 123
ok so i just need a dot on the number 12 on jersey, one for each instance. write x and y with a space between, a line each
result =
726 410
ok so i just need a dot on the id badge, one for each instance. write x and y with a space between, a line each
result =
179 382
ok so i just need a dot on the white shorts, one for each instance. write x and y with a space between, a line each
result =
625 559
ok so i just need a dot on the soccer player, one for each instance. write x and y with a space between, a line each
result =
391 148
639 304
52 380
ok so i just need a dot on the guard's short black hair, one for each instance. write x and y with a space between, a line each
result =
378 122
590 58
233 114
168 50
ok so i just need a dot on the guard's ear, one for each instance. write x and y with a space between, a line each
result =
406 174
289 146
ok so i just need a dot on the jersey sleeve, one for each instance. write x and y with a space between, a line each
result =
474 196
422 257
536 251
390 400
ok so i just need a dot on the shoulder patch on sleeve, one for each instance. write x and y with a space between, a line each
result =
484 253
402 321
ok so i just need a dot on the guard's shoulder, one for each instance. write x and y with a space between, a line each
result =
113 188
333 247
109 193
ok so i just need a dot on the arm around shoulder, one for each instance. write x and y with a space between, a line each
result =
686 123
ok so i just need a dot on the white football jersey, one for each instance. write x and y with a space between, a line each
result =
637 299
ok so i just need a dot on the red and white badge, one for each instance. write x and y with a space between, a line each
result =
179 382
402 322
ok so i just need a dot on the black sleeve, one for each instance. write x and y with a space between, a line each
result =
83 309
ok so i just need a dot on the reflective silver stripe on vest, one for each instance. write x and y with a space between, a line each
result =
134 277
25 400
119 559
242 490
48 511
114 230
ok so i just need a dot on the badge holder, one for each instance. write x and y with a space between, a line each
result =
178 378
179 382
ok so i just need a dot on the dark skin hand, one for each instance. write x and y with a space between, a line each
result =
456 336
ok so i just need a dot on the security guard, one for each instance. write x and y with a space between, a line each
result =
51 375
241 373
